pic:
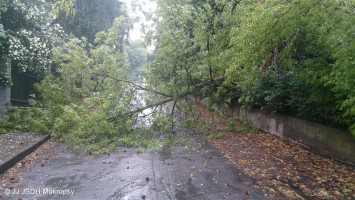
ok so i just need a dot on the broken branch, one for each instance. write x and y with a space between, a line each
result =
197 87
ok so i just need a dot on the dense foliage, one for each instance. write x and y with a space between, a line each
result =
90 16
27 35
88 85
293 57
307 47
87 89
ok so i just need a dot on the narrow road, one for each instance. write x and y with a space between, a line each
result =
189 172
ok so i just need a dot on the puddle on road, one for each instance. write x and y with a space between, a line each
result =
126 191
191 193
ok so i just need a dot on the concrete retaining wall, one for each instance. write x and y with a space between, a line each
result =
320 138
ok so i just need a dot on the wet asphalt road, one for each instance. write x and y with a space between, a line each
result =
173 173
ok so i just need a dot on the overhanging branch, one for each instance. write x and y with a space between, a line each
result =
138 86
197 87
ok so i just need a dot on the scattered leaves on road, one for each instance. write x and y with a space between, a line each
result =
281 167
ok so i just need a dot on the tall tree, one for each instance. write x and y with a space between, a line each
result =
264 48
191 36
27 34
91 17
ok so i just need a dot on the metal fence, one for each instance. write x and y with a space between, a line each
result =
22 88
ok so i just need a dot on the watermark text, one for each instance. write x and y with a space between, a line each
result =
39 191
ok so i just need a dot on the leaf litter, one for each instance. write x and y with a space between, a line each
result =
281 168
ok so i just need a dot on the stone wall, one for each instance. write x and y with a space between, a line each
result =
3 96
317 137
5 92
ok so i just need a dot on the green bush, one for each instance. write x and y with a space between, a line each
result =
247 126
309 45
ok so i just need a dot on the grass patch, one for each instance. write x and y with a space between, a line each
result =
216 136
230 126
186 148
247 126
198 146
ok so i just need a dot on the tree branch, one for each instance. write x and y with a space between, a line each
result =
137 86
279 19
172 117
197 87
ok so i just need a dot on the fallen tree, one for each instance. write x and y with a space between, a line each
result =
176 98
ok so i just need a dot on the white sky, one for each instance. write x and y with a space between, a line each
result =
147 6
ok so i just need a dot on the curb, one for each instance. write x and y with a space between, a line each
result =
12 161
